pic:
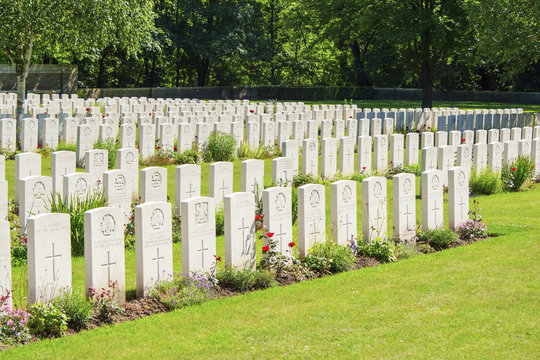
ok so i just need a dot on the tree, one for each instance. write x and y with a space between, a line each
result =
67 28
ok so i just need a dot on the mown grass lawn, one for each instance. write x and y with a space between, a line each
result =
476 301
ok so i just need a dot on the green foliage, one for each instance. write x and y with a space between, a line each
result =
182 291
111 146
221 147
303 179
62 146
76 209
405 250
329 258
294 204
46 320
17 236
411 169
105 303
177 228
518 173
45 152
485 183
8 154
245 151
77 309
438 239
220 221
245 280
359 177
379 249
191 156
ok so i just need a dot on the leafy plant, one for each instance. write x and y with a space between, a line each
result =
182 291
190 156
245 151
411 169
379 249
486 183
17 236
111 145
221 147
518 173
438 239
245 280
8 154
46 320
62 146
14 326
76 209
405 250
329 258
45 152
220 221
303 179
359 177
106 303
273 260
176 228
473 228
77 309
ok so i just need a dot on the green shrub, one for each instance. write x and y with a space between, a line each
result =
221 147
405 250
245 280
245 151
485 183
111 146
294 204
45 152
220 221
177 228
517 174
76 209
46 320
329 257
302 179
359 177
379 249
438 239
77 309
106 302
190 156
14 326
62 146
180 292
411 169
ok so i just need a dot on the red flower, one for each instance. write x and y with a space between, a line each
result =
87 109
252 111
157 147
26 240
175 149
39 146
363 168
291 244
532 166
103 116
218 258
258 217
514 169
462 140
266 248
269 234
149 114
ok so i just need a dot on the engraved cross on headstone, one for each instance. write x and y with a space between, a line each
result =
407 214
53 257
108 265
157 259
280 235
202 250
244 227
223 188
314 232
435 209
462 205
190 192
254 185
346 224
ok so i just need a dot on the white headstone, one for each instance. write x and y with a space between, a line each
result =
404 198
128 159
49 257
380 154
240 239
35 197
458 196
277 209
282 171
62 163
147 138
479 159
310 157
364 155
396 150
5 261
411 149
104 262
96 162
343 211
29 136
290 150
85 142
198 234
117 189
153 245
26 164
510 153
432 200
346 155
374 212
311 217
252 177
153 184
495 152
221 181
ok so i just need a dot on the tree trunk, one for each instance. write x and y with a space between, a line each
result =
427 84
359 68
203 72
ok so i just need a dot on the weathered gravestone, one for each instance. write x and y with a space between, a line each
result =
49 257
240 239
311 217
104 262
198 235
153 245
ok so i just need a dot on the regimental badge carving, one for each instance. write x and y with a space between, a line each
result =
87 132
435 182
461 178
53 123
280 202
149 130
31 124
314 198
99 159
168 130
467 153
156 179
130 158
377 189
120 182
284 126
157 219
81 186
9 125
383 142
38 191
129 130
201 213
108 131
186 130
204 128
312 146
107 225
346 194
72 123
407 186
